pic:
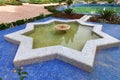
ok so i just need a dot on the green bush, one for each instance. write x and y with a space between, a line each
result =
14 23
93 2
20 22
40 16
48 15
2 2
12 2
43 1
23 21
86 1
52 9
3 26
107 14
35 18
25 1
68 11
110 1
35 1
30 20
9 25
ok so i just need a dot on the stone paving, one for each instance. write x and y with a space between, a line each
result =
11 13
118 1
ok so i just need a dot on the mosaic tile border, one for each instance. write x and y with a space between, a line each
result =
82 59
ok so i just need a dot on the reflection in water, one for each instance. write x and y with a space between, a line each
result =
75 37
68 36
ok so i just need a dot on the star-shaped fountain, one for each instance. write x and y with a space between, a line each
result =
82 59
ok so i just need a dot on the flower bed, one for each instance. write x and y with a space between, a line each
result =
114 20
71 16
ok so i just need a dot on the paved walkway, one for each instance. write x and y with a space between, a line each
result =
11 13
118 1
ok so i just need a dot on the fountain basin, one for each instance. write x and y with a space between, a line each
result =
83 59
62 27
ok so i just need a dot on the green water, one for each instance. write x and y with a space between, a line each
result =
75 37
94 9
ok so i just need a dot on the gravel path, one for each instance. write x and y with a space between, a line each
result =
118 1
11 13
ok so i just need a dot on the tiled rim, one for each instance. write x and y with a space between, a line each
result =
84 59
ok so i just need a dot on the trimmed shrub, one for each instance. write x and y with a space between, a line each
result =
43 1
68 11
30 20
48 15
14 23
2 2
93 2
40 16
25 1
22 21
52 9
19 22
3 26
13 2
9 25
110 1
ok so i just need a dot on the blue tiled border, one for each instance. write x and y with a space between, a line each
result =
107 63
